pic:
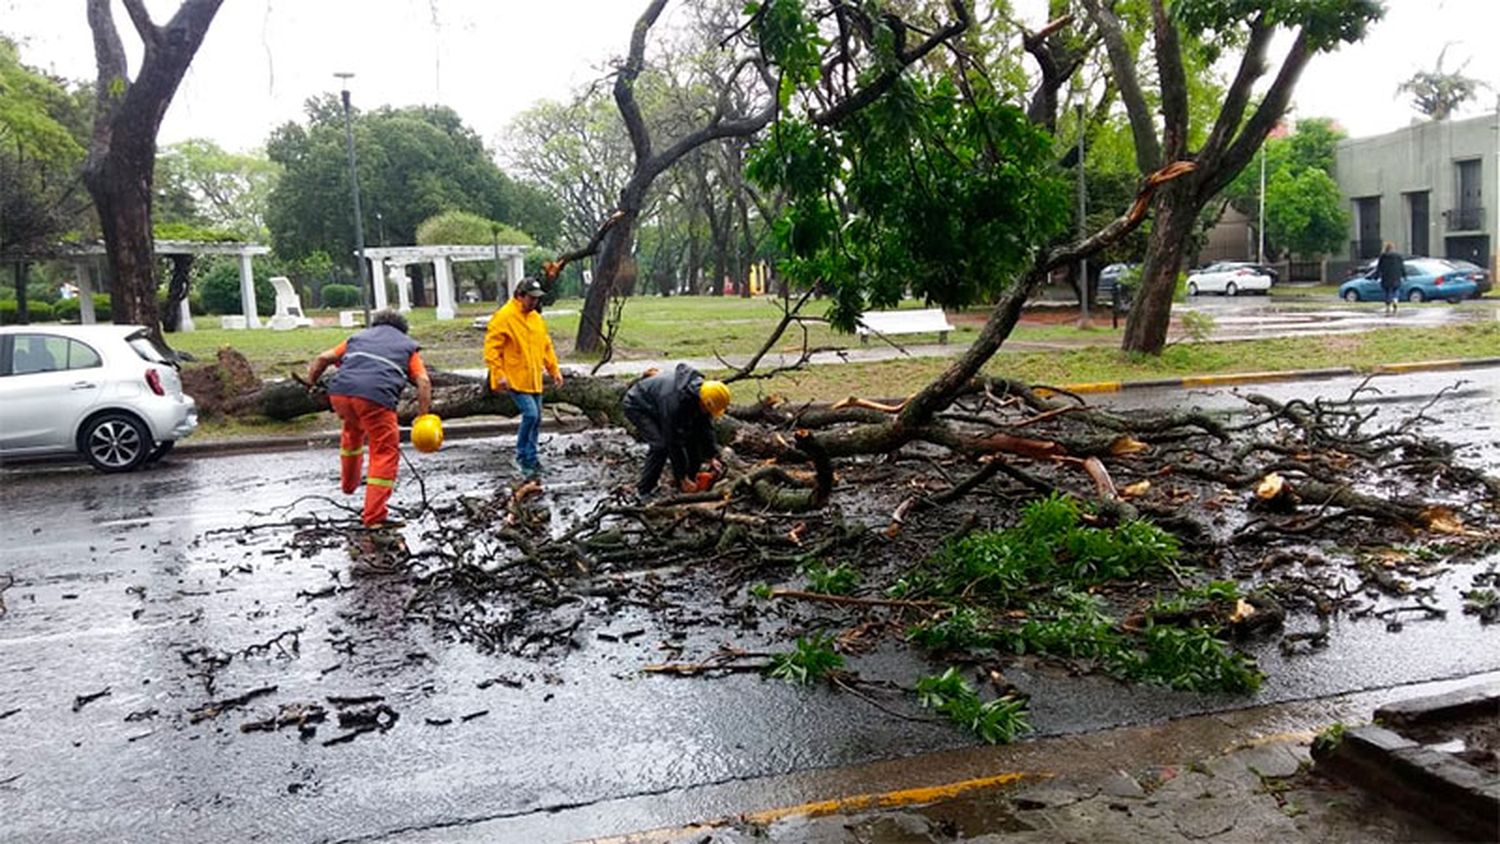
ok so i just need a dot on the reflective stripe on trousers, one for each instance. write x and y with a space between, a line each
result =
365 420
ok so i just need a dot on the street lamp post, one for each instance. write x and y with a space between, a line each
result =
367 291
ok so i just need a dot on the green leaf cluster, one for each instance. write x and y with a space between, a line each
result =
831 580
996 721
1049 545
1326 23
931 191
811 660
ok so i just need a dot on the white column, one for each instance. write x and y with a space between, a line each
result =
186 322
85 293
515 271
403 287
247 291
377 281
444 287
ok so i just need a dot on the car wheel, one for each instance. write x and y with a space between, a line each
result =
115 442
1192 288
1351 295
160 451
1415 295
1231 289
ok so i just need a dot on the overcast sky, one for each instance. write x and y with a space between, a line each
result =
490 59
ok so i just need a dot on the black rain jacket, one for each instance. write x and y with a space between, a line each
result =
671 398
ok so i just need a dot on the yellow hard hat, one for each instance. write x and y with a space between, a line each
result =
714 396
427 433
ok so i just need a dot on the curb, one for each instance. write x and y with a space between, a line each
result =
1233 378
1429 782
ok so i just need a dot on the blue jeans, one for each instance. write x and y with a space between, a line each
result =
530 405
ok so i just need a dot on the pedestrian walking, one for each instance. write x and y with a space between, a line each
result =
674 413
517 349
374 367
1390 268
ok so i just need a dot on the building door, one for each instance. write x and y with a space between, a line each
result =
1474 249
1418 244
1368 210
1470 197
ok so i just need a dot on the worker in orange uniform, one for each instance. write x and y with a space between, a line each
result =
373 368
516 349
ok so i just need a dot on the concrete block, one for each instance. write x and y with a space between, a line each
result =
1461 703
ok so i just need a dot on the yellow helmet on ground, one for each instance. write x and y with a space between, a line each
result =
714 396
427 433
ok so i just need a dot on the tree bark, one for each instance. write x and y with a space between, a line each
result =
122 154
177 291
1151 311
614 267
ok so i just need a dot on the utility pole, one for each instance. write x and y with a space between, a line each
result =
1083 199
367 290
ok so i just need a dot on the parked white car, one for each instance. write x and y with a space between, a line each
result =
104 391
1230 278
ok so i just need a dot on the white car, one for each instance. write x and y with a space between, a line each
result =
1230 278
104 391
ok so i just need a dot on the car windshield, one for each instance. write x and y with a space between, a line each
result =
148 350
1428 266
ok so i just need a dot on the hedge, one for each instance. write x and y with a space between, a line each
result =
340 295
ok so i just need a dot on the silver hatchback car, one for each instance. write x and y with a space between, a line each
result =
107 392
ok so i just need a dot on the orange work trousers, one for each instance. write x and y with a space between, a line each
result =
367 420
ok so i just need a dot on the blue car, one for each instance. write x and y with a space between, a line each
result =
1426 279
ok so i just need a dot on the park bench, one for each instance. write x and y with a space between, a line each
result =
886 323
288 306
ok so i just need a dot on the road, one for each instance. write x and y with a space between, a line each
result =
144 585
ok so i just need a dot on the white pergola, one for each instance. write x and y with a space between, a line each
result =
395 258
245 251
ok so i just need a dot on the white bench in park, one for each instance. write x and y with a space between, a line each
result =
886 323
288 306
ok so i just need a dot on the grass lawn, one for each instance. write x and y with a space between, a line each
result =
686 327
894 379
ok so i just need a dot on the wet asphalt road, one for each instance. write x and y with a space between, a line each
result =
132 583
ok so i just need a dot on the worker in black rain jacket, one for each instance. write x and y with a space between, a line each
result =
674 413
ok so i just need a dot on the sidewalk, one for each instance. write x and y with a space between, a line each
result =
1236 776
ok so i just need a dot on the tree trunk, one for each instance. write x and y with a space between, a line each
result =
122 196
614 268
177 291
1150 314
122 153
418 285
23 310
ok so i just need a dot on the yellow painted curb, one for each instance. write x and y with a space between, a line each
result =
1418 366
1090 387
1239 378
856 803
888 800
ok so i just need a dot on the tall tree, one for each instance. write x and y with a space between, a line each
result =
228 191
781 51
1438 93
121 164
1236 133
43 127
1303 208
414 163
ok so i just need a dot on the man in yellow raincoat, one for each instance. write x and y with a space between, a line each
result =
517 349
